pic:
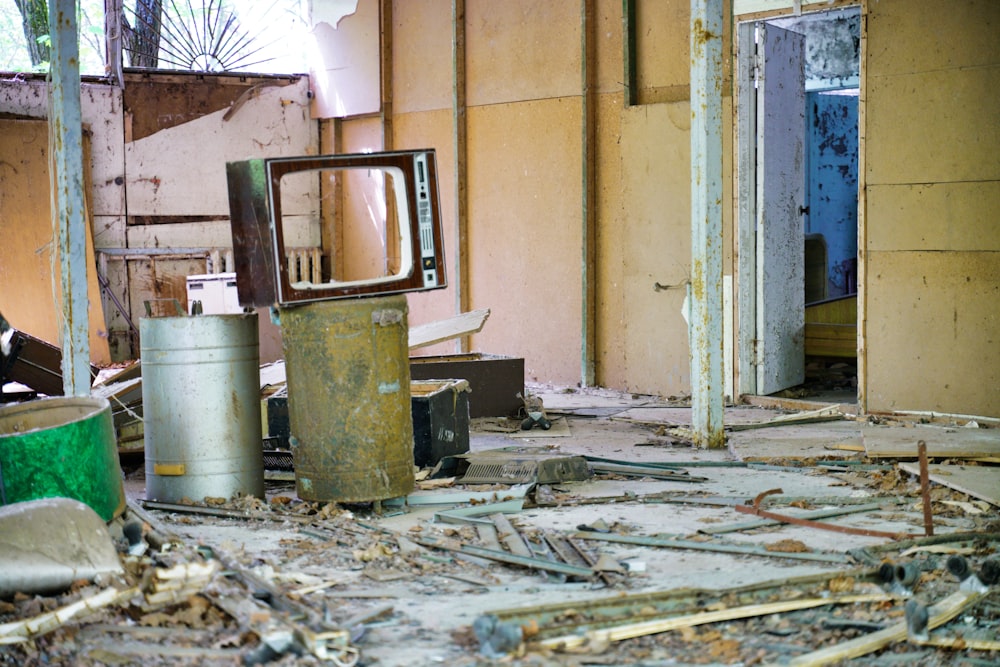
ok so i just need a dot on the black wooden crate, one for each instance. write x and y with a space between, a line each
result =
440 411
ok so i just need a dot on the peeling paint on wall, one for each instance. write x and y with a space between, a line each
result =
346 67
832 136
833 46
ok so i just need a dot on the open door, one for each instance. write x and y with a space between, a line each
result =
772 195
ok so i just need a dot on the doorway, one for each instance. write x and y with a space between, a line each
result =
797 196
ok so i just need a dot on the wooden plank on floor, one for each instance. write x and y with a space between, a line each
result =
901 443
471 322
981 482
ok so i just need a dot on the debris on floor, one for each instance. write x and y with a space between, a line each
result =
603 550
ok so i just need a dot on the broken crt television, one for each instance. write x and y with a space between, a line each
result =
315 228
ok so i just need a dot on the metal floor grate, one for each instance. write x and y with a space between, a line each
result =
520 467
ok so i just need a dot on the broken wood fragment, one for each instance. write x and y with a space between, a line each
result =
116 652
440 331
900 443
831 413
939 614
978 481
959 643
656 626
29 628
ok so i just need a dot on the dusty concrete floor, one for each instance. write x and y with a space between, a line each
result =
418 605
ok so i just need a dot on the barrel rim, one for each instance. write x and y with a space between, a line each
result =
99 405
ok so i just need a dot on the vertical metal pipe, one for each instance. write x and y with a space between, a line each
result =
66 187
588 150
705 329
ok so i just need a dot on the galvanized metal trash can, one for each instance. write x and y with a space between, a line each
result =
61 447
201 407
347 365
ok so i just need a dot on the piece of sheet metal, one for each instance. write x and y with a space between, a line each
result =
47 544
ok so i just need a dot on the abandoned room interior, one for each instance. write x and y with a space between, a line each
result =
398 333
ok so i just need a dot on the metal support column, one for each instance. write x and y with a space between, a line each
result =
66 188
705 330
588 152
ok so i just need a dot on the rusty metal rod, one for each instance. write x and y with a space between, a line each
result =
925 489
755 509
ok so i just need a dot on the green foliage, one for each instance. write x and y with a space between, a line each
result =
15 54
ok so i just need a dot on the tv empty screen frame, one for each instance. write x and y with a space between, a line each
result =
406 256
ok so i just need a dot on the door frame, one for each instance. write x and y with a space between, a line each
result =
742 338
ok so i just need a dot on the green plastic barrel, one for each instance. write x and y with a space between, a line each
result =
348 370
61 448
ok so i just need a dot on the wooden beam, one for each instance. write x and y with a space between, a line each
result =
461 279
442 330
385 51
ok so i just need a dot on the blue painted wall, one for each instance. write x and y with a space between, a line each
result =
832 172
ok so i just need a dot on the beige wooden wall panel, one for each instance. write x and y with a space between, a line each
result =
933 177
934 126
907 36
521 50
934 328
29 269
362 135
656 185
608 37
644 237
359 135
433 129
182 170
934 216
422 55
525 233
663 44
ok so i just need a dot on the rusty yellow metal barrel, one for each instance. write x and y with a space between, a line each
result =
347 364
